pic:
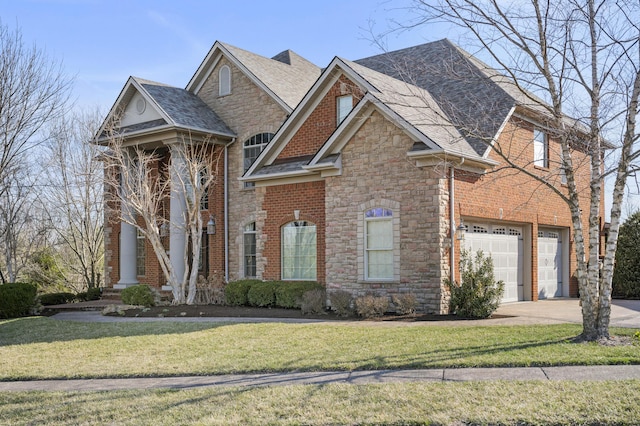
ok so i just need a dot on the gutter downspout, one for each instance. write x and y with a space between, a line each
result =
452 224
226 211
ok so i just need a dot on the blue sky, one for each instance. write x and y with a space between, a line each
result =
103 42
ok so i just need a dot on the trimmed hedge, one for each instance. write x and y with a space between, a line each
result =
289 294
91 294
281 294
140 295
235 292
48 299
17 299
262 294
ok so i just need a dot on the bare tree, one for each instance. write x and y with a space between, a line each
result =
578 59
23 226
73 194
33 91
140 185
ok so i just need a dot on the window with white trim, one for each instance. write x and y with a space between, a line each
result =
224 81
344 105
252 149
299 251
378 244
540 148
141 253
249 250
204 201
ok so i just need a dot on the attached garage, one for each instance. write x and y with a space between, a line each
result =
505 245
550 264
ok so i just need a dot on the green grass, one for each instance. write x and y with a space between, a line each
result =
41 348
556 403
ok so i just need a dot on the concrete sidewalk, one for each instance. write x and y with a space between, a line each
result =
573 373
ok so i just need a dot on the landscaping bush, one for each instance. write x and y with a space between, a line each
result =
140 295
91 294
626 275
405 303
17 299
479 294
313 302
341 302
370 306
48 299
235 293
262 294
289 294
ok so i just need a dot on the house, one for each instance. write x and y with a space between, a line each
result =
368 176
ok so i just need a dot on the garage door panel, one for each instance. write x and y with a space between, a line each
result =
549 265
506 252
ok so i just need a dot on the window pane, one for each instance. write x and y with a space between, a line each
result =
250 254
379 234
299 251
380 264
344 106
539 148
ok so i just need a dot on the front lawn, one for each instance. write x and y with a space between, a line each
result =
41 348
478 403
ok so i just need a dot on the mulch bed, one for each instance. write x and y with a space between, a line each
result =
252 312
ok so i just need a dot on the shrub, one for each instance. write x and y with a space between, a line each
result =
405 303
313 302
289 294
341 302
48 299
235 293
139 295
262 294
91 294
370 306
17 299
479 294
626 275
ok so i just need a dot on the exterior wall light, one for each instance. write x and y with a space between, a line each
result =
460 230
211 226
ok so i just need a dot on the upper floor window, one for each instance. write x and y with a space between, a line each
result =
378 244
252 149
224 81
344 105
540 148
299 251
204 201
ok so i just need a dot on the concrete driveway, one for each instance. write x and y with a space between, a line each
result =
624 313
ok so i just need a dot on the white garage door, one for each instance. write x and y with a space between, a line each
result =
504 243
549 264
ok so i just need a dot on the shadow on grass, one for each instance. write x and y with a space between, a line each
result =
29 330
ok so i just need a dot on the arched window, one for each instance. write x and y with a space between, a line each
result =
299 251
378 244
249 256
252 149
224 81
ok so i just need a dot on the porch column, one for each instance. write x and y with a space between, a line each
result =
128 242
177 231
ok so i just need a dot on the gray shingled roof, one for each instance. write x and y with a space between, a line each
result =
458 85
185 109
287 74
289 165
418 108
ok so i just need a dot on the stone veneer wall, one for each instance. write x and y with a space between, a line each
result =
376 170
248 110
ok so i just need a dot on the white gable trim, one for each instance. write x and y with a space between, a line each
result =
499 132
311 100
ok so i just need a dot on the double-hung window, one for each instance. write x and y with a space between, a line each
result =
252 149
141 253
249 260
540 148
344 105
299 251
378 244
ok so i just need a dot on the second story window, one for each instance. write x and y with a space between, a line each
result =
540 149
224 83
344 105
252 148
